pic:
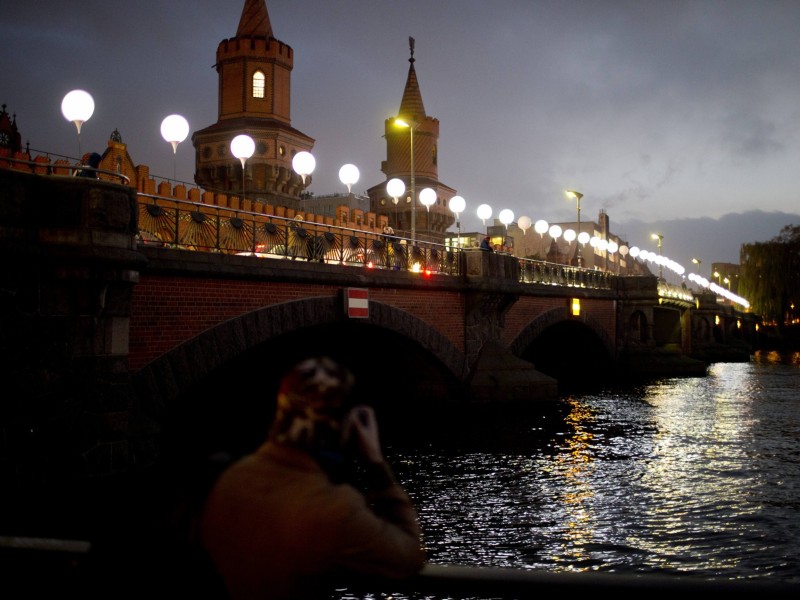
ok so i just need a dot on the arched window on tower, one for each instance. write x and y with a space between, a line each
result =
434 154
258 84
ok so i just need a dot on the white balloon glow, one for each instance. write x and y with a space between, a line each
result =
174 129
524 224
457 204
427 196
303 164
506 217
395 188
348 175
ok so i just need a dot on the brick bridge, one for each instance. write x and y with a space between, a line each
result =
109 342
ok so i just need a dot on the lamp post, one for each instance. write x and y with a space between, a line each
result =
577 196
77 106
698 262
719 278
457 205
660 239
395 188
242 147
174 130
411 127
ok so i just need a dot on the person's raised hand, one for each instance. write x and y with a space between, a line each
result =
361 428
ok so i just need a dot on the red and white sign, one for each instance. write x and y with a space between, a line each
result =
356 302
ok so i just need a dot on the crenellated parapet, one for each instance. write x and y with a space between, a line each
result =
255 46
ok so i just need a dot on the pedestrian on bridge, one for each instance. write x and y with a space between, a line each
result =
317 504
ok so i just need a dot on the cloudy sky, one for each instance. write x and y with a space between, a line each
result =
681 117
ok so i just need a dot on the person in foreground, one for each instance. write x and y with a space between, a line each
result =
316 503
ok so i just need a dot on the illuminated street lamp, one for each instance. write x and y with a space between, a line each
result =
718 276
411 127
698 262
242 147
174 130
457 204
577 196
660 239
395 188
77 106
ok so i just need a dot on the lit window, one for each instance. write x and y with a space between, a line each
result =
258 84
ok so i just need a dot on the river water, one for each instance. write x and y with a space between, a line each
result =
686 476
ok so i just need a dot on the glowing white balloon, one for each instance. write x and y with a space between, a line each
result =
348 175
395 188
457 204
175 129
303 164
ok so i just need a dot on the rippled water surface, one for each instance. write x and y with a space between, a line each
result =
680 476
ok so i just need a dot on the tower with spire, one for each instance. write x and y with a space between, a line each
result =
254 72
432 223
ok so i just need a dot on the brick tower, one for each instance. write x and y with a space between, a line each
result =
430 224
254 99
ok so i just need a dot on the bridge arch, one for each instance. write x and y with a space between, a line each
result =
565 346
189 364
215 393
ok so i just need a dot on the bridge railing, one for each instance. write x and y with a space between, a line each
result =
198 226
536 271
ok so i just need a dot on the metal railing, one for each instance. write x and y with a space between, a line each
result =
536 271
198 226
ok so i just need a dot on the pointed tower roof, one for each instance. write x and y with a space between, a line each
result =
411 105
255 20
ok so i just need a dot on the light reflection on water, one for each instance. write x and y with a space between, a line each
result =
684 476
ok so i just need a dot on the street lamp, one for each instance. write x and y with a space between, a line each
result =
457 204
660 239
698 262
174 130
577 196
77 106
718 276
411 127
395 188
242 147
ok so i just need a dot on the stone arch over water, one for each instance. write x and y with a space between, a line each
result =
570 349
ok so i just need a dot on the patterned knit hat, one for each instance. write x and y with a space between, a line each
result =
313 398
